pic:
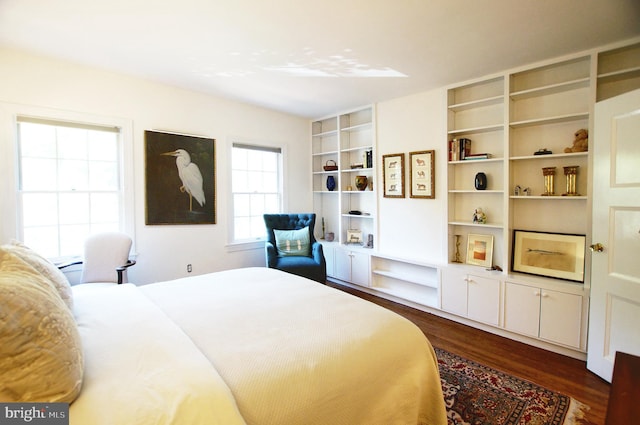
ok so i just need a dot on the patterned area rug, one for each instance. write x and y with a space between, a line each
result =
478 395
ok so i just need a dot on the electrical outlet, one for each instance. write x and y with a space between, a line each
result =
189 268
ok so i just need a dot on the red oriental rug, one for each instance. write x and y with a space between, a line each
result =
478 395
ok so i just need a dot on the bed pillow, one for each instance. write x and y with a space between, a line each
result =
293 242
40 351
45 267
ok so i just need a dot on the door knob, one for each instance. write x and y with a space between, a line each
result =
597 247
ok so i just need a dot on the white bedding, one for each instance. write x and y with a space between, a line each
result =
254 346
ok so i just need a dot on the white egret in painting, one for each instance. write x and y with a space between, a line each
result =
190 176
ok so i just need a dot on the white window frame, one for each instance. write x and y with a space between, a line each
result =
237 245
10 208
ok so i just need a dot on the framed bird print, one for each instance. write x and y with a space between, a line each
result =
180 178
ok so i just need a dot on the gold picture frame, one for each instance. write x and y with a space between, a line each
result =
556 255
393 175
480 250
421 174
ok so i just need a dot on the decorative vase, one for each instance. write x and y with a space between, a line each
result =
480 182
361 182
331 183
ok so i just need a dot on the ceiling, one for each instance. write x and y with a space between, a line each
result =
313 58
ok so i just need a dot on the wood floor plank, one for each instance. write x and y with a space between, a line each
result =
553 371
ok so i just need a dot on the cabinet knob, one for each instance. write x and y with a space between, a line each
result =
545 295
597 247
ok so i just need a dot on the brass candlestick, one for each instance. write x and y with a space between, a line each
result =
456 258
549 174
570 173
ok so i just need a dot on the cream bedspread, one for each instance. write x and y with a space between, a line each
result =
254 345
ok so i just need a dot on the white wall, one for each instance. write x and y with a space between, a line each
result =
414 228
163 251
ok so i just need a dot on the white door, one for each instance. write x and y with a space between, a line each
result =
614 320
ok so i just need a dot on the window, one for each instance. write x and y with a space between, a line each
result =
69 184
256 182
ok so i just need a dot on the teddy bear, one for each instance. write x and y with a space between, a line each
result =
580 143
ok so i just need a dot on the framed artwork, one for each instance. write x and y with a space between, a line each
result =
421 175
354 236
180 179
480 250
393 175
556 255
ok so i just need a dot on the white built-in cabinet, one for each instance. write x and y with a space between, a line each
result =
547 314
351 265
511 116
471 295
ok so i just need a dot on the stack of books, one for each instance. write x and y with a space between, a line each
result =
477 156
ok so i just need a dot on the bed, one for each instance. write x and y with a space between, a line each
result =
248 346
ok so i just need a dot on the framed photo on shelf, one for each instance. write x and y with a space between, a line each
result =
421 175
354 236
557 255
480 250
393 175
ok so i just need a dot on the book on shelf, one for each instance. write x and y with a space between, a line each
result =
459 149
477 156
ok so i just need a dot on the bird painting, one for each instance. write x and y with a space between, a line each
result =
190 176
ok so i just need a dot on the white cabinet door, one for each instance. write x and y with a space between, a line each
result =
543 313
522 309
560 317
454 291
352 266
483 299
342 264
360 274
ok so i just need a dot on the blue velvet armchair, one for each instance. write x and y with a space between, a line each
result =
312 265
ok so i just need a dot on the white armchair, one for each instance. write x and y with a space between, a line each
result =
106 258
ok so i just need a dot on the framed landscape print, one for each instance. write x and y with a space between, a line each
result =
421 175
393 175
555 255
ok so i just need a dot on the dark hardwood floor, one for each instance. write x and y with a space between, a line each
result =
550 370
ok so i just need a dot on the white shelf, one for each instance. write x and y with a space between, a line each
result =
479 129
324 153
418 280
472 224
550 120
475 191
326 133
359 127
495 100
554 155
411 294
551 89
358 216
552 198
476 161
